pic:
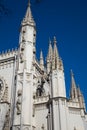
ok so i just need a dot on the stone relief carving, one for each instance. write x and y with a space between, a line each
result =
18 103
40 87
1 86
3 90
7 118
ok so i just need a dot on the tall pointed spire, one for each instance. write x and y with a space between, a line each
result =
50 50
41 60
55 47
49 57
73 93
28 16
56 54
28 35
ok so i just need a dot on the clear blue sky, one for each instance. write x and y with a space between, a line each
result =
66 19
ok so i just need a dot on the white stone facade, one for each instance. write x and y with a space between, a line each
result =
33 96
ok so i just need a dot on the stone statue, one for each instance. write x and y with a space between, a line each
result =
18 103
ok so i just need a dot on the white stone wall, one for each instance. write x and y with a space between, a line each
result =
40 116
74 118
58 84
59 114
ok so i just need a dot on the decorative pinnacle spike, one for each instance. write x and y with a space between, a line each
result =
41 54
29 3
72 73
55 40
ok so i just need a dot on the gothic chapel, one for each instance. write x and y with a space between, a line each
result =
33 96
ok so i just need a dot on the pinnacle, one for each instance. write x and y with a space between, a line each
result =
56 54
54 40
29 3
79 91
41 54
28 16
50 50
73 84
73 87
72 74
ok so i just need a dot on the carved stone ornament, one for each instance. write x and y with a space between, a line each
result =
3 85
18 103
21 57
40 88
7 119
18 106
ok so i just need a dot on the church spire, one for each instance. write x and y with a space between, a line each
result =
28 16
73 93
56 54
28 36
